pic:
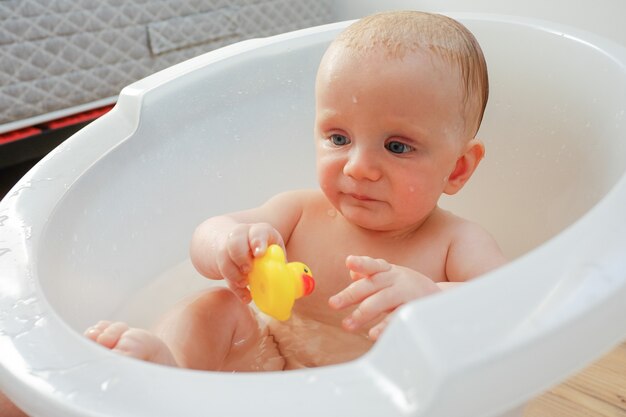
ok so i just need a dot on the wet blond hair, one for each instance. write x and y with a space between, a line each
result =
402 32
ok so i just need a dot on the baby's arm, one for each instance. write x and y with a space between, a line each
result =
380 287
223 247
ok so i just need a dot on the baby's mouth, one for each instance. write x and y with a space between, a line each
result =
361 197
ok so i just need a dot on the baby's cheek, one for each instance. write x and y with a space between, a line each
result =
324 186
409 189
327 182
323 177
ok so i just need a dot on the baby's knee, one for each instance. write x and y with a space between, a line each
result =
219 298
220 304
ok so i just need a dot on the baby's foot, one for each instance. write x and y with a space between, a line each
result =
136 343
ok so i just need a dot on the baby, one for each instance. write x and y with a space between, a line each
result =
399 99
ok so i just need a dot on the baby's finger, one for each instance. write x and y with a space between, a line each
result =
377 330
231 272
242 293
381 302
239 250
364 265
355 276
261 235
355 293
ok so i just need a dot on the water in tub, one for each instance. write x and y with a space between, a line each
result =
155 299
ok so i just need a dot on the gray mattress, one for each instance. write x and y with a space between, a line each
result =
60 55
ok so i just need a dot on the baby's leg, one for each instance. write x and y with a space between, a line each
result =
212 331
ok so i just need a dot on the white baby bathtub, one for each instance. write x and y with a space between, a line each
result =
109 214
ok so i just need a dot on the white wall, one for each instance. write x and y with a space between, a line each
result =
605 17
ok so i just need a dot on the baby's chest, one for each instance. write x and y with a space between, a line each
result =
325 250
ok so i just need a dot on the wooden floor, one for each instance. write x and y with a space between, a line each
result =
597 391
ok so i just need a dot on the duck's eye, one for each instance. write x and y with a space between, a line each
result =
339 140
306 270
398 147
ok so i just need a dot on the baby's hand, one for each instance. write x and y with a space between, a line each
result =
378 289
243 243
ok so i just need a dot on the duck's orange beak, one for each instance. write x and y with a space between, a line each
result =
308 284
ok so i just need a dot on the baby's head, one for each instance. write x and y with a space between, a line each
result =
398 35
399 99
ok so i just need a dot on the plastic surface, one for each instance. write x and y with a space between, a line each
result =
96 221
275 284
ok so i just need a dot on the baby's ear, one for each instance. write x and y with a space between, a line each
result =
465 166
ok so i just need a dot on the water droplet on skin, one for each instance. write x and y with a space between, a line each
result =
354 99
332 212
412 190
239 342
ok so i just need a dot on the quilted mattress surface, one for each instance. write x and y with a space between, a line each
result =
59 54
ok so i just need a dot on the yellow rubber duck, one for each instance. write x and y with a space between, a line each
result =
275 284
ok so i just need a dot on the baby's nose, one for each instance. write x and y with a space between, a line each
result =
363 164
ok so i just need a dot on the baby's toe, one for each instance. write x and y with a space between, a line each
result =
110 335
137 343
96 330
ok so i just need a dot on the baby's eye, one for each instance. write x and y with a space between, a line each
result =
398 147
339 140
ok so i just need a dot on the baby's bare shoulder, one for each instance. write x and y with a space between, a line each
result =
472 251
295 200
296 204
303 196
308 200
446 223
454 225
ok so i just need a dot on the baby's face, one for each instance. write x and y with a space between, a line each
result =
388 134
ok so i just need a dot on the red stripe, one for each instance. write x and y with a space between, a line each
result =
26 132
77 118
18 134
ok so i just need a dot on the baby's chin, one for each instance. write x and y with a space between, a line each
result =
366 219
